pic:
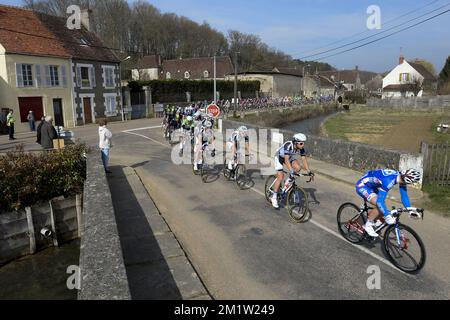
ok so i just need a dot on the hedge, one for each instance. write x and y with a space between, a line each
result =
202 89
29 178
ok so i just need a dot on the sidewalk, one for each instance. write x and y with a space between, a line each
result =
156 265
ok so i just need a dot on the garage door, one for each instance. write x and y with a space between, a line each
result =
27 104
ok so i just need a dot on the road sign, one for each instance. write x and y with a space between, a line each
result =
214 110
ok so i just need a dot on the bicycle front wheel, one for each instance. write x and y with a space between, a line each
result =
241 177
405 248
297 204
350 223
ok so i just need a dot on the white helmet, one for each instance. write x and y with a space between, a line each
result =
189 118
299 137
243 129
208 124
411 176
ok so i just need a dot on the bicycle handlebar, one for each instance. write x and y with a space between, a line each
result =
399 211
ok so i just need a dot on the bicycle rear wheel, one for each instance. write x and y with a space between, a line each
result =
267 189
297 204
409 255
350 223
226 172
241 177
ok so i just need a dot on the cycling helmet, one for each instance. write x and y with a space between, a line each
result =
299 137
208 124
189 118
411 176
243 129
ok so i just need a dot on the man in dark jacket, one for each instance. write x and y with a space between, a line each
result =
38 130
48 133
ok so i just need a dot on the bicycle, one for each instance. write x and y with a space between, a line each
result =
294 196
396 242
238 174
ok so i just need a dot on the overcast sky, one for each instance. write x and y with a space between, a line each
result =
297 27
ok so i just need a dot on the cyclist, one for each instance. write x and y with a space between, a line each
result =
374 186
234 145
188 126
204 137
285 157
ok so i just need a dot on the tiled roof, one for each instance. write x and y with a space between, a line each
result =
289 71
149 62
423 71
196 67
349 76
30 32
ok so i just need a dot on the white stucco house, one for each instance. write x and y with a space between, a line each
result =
408 79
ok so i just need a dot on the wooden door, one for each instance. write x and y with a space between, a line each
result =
87 110
58 112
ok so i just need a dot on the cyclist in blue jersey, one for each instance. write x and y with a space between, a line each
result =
285 157
374 187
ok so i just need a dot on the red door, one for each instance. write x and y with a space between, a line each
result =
27 104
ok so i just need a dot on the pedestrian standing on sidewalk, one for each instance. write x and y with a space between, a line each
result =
105 144
38 130
10 123
48 133
31 121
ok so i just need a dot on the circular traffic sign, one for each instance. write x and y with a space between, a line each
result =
214 110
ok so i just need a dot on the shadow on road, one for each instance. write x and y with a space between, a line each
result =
148 273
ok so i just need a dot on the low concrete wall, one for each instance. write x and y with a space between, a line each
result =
14 228
357 156
432 102
103 275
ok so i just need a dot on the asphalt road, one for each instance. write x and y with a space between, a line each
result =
243 249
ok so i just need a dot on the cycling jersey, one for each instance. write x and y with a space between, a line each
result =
379 183
288 150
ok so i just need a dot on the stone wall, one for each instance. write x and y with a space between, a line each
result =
432 102
356 156
103 275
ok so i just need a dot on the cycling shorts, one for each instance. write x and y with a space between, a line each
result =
366 193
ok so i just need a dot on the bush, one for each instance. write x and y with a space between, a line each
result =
27 179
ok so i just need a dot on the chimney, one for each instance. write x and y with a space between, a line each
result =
85 21
401 59
356 68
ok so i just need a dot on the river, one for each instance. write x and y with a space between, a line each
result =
41 276
308 126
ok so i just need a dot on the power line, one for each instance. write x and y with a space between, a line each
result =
384 37
374 35
366 31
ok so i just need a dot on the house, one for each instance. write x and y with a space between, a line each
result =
408 79
351 79
51 70
154 68
274 83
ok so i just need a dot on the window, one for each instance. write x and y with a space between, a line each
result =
109 77
168 76
187 75
83 41
24 75
53 80
206 74
110 105
404 77
85 77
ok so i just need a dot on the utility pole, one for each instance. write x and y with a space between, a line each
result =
235 82
215 81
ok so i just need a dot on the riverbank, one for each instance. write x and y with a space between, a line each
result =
41 276
285 117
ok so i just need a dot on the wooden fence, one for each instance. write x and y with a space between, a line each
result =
436 163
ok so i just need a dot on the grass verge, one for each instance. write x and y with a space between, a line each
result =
439 198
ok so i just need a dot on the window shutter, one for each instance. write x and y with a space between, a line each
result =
407 77
400 78
19 76
79 76
64 76
38 75
92 76
48 77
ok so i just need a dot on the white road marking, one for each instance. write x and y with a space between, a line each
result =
317 224
140 129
